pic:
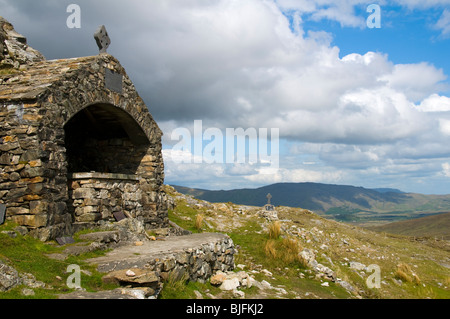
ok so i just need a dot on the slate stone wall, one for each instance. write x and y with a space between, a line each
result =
95 197
35 106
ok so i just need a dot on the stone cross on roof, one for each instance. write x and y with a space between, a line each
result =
102 39
269 197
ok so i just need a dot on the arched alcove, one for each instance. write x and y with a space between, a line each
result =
104 139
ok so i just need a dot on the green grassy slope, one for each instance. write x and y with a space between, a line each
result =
429 226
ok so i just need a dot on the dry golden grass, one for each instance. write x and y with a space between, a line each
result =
291 250
447 281
275 230
199 222
405 273
285 250
269 249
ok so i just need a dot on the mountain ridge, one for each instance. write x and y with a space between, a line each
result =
346 203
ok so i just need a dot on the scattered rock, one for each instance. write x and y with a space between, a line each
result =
30 281
218 278
198 295
266 272
27 292
9 277
137 293
325 272
347 286
230 284
22 230
135 276
357 266
308 256
266 285
102 237
280 290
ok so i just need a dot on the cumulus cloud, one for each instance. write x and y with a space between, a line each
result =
239 64
435 103
251 63
416 81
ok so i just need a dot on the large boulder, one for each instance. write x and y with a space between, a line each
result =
9 277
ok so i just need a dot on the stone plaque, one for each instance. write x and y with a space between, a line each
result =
119 216
65 240
2 213
113 81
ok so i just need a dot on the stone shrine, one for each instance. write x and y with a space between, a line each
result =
77 142
268 210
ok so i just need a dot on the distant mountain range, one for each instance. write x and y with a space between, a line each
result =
340 202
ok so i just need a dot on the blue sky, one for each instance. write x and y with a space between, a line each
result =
406 36
353 105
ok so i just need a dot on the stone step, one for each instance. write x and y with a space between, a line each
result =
195 255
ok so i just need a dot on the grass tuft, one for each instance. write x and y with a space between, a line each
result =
275 230
405 273
270 250
198 222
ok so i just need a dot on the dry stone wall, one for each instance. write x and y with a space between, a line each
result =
196 257
198 264
95 197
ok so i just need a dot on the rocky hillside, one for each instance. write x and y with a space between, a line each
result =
298 254
289 253
350 204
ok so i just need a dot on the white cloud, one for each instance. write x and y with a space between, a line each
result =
420 4
435 103
342 11
446 169
416 81
444 23
360 110
444 126
296 175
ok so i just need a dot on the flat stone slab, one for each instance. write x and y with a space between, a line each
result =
132 256
113 294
